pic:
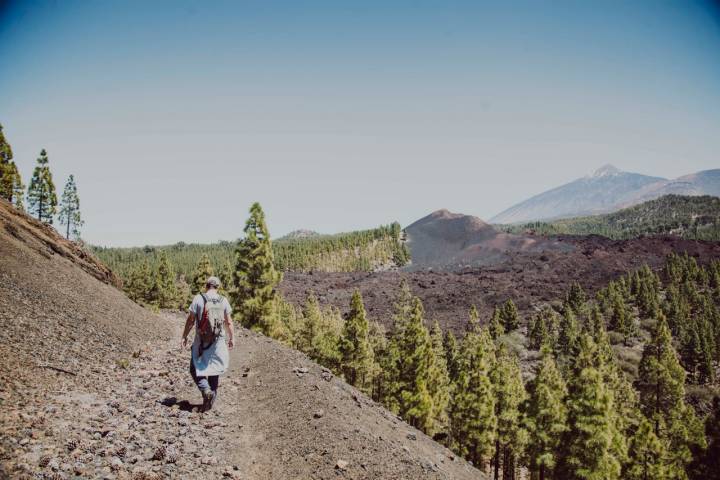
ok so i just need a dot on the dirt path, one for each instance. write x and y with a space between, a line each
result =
278 416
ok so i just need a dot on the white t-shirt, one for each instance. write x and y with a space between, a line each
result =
216 358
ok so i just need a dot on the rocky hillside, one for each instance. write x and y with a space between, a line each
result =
93 386
448 241
607 190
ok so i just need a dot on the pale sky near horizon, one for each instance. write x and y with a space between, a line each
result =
174 116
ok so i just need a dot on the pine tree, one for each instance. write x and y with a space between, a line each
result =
165 293
661 385
415 358
543 330
385 387
379 346
510 395
11 186
589 449
647 455
70 209
140 283
203 271
576 298
676 310
595 325
255 278
42 200
389 384
625 397
355 350
568 332
226 278
452 356
320 334
184 292
312 321
546 417
495 326
707 463
510 317
621 320
438 379
474 320
18 188
473 421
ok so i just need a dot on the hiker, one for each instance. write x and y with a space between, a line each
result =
210 314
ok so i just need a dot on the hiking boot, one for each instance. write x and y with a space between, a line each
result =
208 397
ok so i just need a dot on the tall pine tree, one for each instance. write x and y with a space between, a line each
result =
203 271
438 379
355 349
42 199
473 421
661 385
164 291
451 356
11 186
510 317
70 209
415 358
546 416
255 278
590 450
510 395
647 454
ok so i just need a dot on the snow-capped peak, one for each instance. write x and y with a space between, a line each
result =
606 171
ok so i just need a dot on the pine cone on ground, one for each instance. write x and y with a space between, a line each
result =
160 453
72 444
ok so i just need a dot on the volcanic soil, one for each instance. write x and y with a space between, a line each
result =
530 278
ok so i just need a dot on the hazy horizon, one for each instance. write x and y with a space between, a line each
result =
174 116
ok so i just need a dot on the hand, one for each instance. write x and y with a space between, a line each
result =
184 343
231 344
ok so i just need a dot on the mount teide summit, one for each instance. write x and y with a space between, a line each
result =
606 190
447 240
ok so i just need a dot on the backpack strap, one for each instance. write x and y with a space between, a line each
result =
203 297
197 325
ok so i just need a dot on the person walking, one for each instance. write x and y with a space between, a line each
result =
209 313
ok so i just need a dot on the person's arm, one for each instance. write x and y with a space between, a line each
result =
229 328
189 323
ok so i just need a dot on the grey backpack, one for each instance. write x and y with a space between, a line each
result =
210 326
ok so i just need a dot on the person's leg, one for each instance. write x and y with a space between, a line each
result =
214 382
201 382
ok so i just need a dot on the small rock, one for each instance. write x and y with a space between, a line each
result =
115 463
319 414
341 465
411 436
171 454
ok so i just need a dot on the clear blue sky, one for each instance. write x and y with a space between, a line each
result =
175 116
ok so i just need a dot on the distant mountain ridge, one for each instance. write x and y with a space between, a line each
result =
607 190
695 217
298 234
